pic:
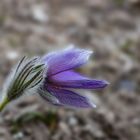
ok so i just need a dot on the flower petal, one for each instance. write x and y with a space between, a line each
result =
65 60
48 96
70 79
67 76
70 98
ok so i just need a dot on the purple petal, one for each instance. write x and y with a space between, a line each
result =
70 79
65 60
67 76
48 96
70 98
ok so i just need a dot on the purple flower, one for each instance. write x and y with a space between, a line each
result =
60 78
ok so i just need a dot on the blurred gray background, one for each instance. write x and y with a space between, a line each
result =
111 28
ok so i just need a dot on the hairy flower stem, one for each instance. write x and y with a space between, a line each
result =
3 104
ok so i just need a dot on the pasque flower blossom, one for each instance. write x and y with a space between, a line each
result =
54 78
60 78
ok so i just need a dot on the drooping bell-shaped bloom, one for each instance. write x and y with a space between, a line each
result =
60 79
53 77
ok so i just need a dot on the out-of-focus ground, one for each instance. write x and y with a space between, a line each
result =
111 28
